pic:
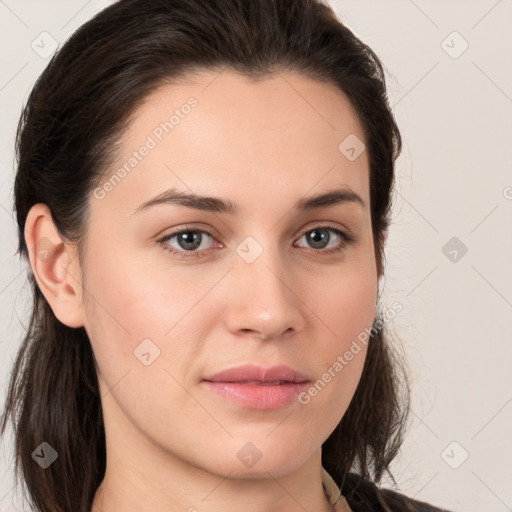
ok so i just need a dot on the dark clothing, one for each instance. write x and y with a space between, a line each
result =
364 496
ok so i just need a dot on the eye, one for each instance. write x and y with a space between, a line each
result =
190 240
320 237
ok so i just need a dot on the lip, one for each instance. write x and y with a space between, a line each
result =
256 387
254 373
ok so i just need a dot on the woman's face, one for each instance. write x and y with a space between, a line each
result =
264 282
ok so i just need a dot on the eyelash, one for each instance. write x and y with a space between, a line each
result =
346 239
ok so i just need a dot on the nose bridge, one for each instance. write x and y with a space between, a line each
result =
264 300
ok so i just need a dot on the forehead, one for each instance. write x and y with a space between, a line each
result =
221 132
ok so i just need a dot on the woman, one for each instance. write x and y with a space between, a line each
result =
203 196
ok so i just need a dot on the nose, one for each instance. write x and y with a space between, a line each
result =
266 299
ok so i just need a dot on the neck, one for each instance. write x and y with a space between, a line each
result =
143 476
135 489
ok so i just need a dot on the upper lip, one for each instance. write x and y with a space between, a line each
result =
255 373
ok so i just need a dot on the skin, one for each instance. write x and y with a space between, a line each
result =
172 444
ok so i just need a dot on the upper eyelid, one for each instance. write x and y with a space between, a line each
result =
310 226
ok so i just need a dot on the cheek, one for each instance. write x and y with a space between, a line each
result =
346 302
120 313
128 316
136 309
345 308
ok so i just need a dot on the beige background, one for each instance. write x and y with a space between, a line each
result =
454 109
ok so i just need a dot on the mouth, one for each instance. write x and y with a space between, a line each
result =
254 387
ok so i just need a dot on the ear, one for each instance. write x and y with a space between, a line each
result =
54 263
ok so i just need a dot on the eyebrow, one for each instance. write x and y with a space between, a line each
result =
217 205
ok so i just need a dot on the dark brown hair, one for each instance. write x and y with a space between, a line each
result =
65 142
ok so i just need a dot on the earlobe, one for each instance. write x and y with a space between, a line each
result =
54 265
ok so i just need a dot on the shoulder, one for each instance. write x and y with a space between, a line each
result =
363 495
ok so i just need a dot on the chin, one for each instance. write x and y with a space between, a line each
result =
256 459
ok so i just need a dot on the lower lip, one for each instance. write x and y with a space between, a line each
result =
258 396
